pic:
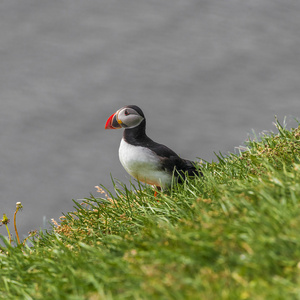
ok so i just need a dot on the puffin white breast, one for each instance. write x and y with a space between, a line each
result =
143 164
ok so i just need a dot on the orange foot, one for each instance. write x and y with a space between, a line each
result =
157 188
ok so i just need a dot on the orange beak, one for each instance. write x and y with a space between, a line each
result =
112 122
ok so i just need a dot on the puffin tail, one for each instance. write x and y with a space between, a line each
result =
189 170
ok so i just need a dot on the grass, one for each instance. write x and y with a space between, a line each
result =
234 234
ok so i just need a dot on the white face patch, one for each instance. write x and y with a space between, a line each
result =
129 117
142 164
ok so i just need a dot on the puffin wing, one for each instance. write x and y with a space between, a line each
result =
170 161
182 167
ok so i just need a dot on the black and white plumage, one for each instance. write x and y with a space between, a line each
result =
141 157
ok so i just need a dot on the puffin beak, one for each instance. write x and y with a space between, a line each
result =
112 122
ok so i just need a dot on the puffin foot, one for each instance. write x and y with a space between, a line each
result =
156 188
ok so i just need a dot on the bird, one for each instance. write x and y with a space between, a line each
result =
145 160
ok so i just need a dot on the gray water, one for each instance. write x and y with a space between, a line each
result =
205 73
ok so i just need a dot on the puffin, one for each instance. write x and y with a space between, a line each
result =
145 160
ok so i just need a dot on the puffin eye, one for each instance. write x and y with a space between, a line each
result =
126 112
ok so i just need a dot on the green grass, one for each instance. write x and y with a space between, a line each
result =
234 234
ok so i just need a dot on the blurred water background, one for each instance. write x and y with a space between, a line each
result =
205 73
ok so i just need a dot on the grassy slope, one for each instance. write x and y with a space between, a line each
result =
232 235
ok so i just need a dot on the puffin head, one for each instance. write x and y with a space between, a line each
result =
129 116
